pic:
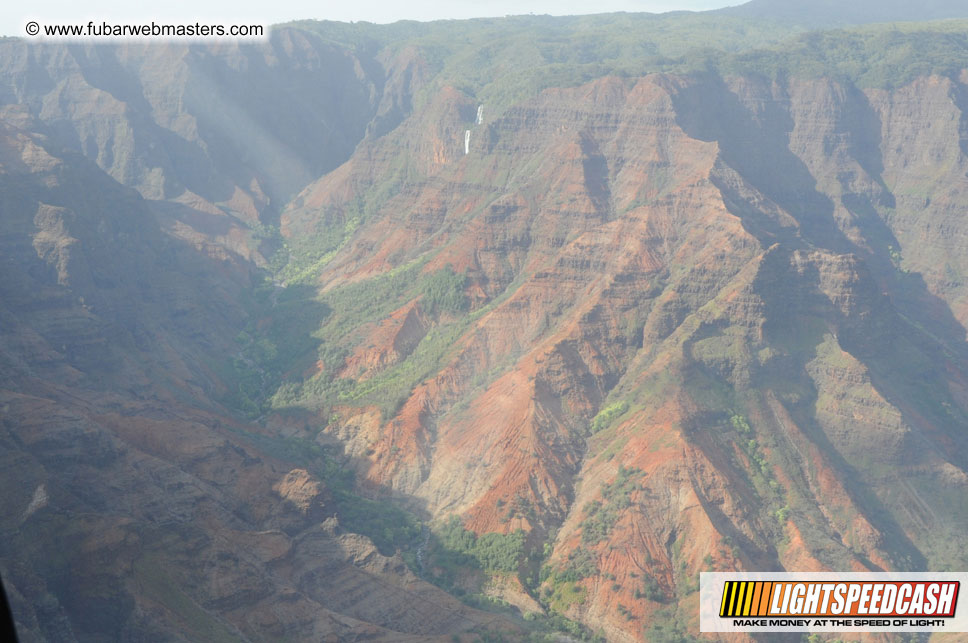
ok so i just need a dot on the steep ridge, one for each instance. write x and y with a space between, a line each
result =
645 325
217 138
690 294
136 505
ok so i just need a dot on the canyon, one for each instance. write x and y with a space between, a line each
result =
282 358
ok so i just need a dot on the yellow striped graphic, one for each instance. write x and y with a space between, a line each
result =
749 597
746 598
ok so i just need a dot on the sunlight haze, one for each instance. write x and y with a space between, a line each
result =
13 17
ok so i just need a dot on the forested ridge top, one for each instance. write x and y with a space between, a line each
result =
502 60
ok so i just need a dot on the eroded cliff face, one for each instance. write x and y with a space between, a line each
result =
136 505
216 138
661 325
750 291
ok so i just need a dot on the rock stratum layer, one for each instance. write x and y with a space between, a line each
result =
646 326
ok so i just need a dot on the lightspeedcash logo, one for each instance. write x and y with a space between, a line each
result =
831 602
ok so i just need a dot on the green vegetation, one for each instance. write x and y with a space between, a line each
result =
561 586
651 590
883 56
666 629
817 638
581 563
501 61
301 259
276 340
564 594
455 553
608 415
761 468
443 291
374 299
492 552
616 497
292 327
520 508
366 301
389 527
391 388
740 424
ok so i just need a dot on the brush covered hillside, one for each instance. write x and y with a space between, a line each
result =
496 329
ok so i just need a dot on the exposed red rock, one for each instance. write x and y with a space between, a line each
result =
651 326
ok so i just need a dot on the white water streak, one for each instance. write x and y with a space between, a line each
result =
39 501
